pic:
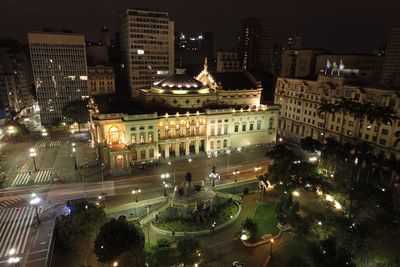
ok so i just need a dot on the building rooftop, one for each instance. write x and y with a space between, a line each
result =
180 81
234 80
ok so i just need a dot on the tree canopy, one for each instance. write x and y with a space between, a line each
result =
117 237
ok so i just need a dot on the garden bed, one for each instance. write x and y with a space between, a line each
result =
222 216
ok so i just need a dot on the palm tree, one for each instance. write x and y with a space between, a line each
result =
343 106
329 152
363 158
380 115
359 112
325 109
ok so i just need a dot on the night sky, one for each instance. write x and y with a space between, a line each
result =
348 25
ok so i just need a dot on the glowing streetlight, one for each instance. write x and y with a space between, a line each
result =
164 178
136 192
271 242
115 263
33 154
12 259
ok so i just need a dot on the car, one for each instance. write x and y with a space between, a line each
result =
237 264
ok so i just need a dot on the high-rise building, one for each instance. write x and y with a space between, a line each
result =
147 47
191 50
105 37
391 65
255 47
265 52
294 42
249 42
59 71
16 73
227 61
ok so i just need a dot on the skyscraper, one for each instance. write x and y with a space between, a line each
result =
249 41
59 71
147 47
391 64
255 46
294 42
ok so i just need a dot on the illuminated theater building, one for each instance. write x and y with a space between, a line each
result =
211 114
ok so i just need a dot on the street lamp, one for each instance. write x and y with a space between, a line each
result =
213 175
136 192
228 151
33 154
12 259
115 263
102 174
164 178
271 242
173 169
235 173
34 202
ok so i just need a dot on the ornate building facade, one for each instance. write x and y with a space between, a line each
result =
300 99
208 126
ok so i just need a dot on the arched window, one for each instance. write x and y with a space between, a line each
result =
151 153
141 138
251 126
142 154
150 137
212 145
114 134
133 139
225 143
213 130
259 125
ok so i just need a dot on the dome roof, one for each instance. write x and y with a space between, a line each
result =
180 81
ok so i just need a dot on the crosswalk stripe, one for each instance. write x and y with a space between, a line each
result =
14 229
43 176
22 178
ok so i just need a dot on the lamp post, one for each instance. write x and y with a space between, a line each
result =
213 175
136 192
34 202
228 151
14 261
271 242
102 175
164 178
173 169
33 154
235 174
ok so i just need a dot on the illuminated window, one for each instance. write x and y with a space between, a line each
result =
150 137
114 134
140 52
141 138
133 139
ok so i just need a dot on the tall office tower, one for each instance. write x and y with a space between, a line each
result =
249 41
391 65
105 37
190 51
294 42
147 47
265 52
59 71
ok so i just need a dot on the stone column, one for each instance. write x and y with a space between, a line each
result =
187 148
177 152
166 150
197 147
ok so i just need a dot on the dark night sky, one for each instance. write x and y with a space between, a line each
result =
341 24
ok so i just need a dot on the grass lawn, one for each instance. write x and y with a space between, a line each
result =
220 217
266 220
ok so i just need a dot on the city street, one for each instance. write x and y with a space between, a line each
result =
54 157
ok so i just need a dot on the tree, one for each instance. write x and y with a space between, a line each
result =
343 106
188 177
380 115
325 109
163 254
188 247
287 209
251 226
78 229
117 237
133 258
282 153
359 112
310 145
77 111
